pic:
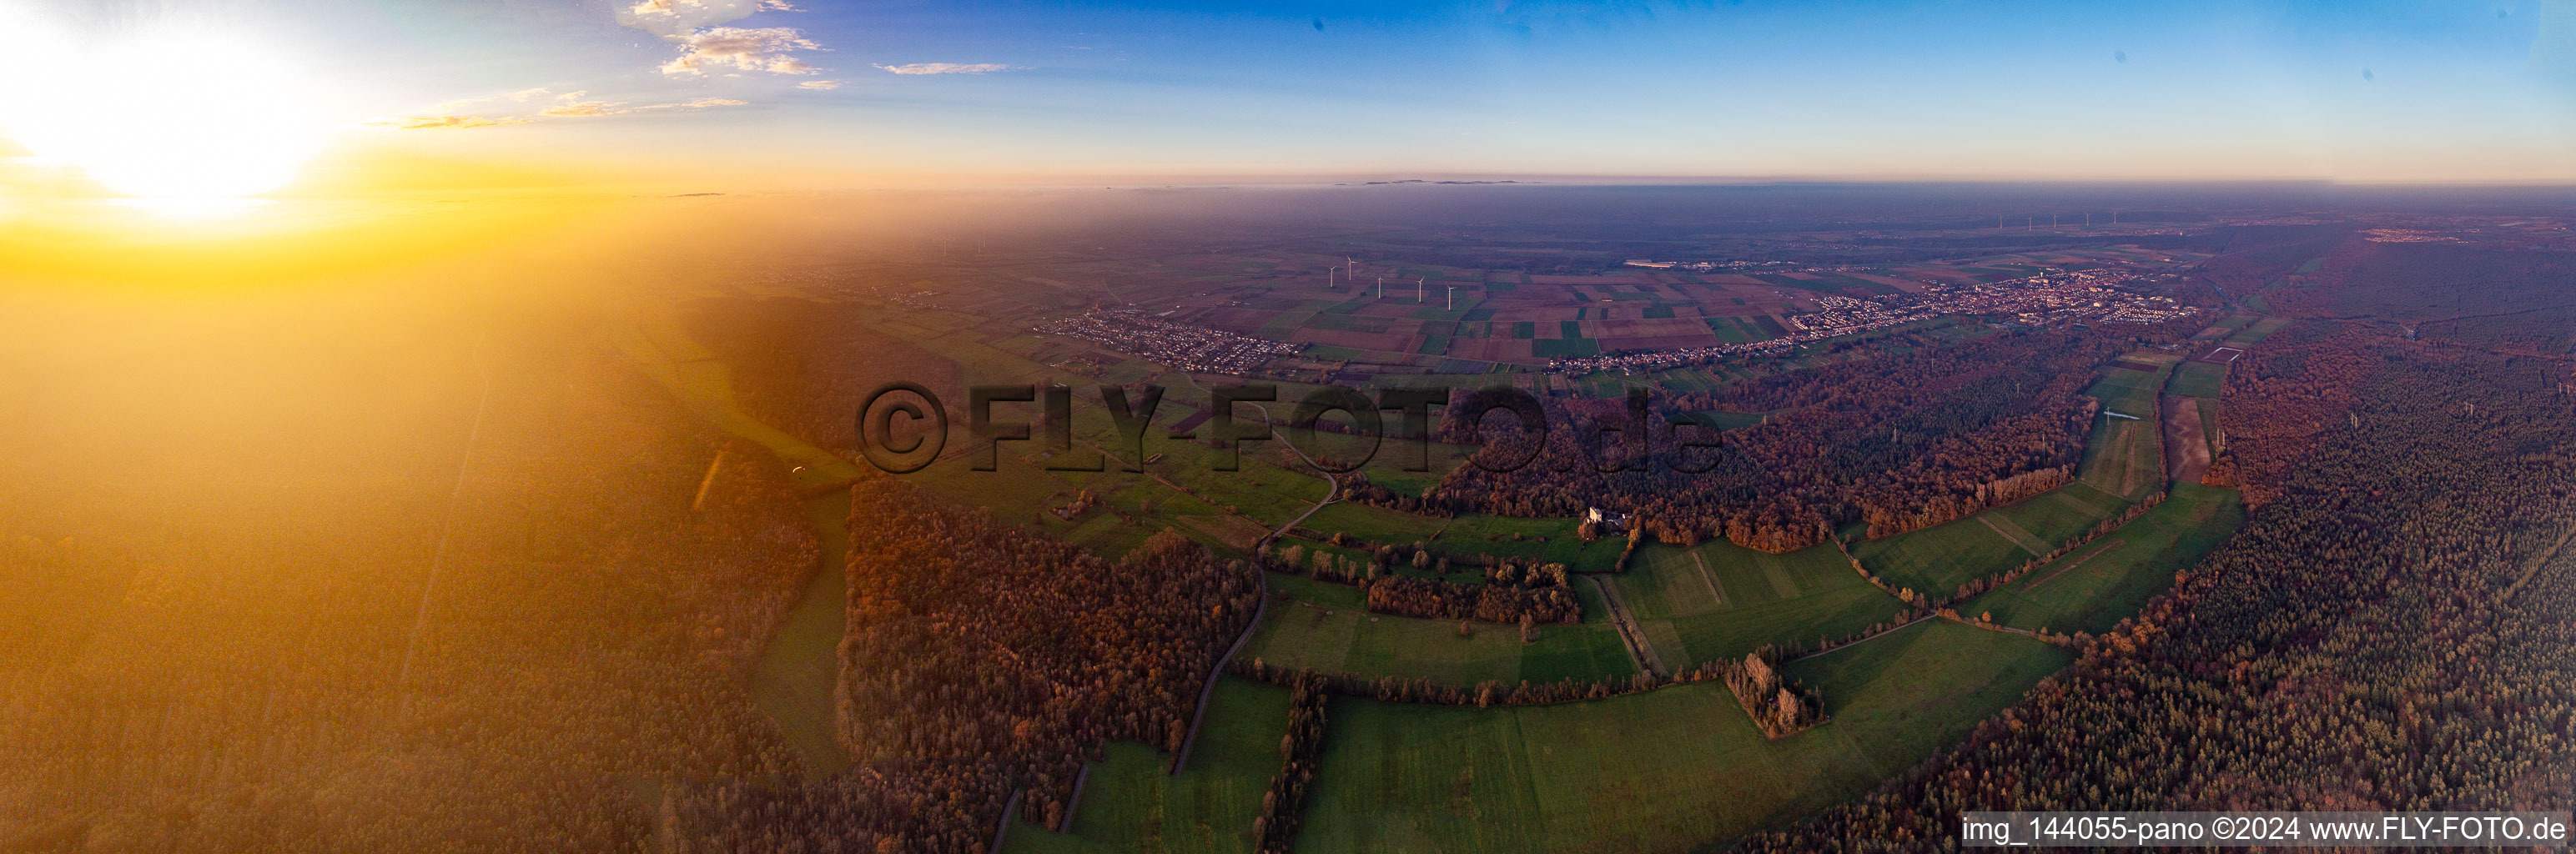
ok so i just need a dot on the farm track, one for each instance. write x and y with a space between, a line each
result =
1635 639
1994 627
2006 529
1873 636
1713 591
2099 546
1260 611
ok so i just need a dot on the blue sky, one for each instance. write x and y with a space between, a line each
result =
1754 89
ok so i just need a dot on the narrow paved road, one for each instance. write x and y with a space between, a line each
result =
1261 610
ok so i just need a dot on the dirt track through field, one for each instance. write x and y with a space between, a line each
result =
2186 450
1638 648
1713 591
2103 545
2010 531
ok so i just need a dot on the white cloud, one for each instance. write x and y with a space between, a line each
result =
819 84
695 25
446 122
669 18
948 68
756 49
582 108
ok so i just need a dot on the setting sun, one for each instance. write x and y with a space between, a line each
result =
173 114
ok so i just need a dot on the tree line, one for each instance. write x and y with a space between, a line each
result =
1299 749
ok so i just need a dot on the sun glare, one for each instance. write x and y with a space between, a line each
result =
177 117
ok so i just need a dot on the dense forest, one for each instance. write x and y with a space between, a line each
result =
1922 432
361 632
804 366
2387 632
983 660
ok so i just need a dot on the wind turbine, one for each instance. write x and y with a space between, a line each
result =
1453 297
1417 290
1355 268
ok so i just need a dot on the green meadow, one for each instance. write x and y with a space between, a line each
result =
1720 600
2110 578
1671 770
1130 805
1325 626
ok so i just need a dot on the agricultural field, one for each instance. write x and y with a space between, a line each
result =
1324 626
1670 770
1720 600
2112 577
1131 805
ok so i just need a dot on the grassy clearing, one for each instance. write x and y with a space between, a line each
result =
1375 524
1936 560
2260 330
2092 589
2061 514
1720 600
2128 391
2124 457
1324 626
1540 539
2199 379
1131 805
1671 770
